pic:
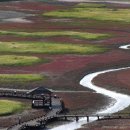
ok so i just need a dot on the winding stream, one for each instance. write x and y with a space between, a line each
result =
126 47
122 100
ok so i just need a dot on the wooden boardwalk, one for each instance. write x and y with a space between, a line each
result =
56 105
42 121
54 112
98 116
11 93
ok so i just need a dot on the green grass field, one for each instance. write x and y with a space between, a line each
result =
10 107
73 34
22 81
94 12
21 77
14 60
49 48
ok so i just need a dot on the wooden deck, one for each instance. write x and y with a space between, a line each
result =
98 116
36 122
54 112
11 93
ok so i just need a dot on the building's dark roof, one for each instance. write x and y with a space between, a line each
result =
40 90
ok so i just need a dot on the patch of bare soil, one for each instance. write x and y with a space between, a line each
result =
118 81
83 102
116 124
29 6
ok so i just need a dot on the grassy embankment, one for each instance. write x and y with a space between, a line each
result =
49 48
21 77
73 34
94 12
43 48
10 107
22 81
14 60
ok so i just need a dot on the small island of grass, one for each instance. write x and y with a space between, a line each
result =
73 34
8 107
50 48
94 12
21 77
15 60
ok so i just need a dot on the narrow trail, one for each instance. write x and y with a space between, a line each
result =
122 100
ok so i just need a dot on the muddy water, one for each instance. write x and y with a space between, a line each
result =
126 47
13 16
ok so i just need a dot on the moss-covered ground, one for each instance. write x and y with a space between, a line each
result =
49 48
15 60
73 34
94 12
8 107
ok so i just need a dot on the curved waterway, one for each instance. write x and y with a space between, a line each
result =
121 100
126 47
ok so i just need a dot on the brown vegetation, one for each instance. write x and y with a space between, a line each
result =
65 71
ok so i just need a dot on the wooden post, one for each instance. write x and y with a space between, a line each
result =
87 118
65 118
119 117
44 125
77 118
50 101
43 101
19 120
41 122
98 117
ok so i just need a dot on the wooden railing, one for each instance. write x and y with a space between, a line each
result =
98 116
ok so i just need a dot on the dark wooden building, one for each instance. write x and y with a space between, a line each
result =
44 97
